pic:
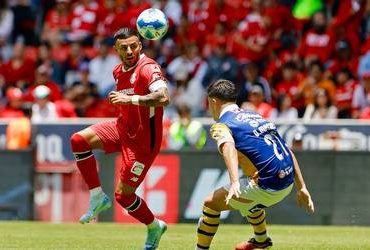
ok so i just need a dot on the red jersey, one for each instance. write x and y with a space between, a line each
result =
344 94
320 45
58 21
140 126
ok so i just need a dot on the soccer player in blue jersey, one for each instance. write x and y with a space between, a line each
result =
247 140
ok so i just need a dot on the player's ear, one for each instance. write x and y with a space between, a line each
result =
140 45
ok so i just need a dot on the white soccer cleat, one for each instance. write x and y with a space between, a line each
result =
154 235
98 203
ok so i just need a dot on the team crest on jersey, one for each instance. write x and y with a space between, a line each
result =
133 78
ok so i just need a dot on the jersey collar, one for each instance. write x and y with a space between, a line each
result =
141 57
228 108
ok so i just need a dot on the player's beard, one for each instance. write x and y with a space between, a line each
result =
130 62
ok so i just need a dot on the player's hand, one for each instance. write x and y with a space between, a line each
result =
234 190
304 200
116 97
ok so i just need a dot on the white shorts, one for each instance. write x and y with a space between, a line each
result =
260 198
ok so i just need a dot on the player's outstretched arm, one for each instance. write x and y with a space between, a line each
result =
160 97
303 196
230 156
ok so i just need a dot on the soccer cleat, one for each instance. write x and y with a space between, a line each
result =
98 204
253 244
154 236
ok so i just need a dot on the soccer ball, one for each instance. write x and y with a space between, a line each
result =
152 24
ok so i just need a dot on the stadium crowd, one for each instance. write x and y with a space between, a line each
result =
58 55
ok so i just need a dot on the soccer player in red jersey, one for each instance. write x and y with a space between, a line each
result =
141 93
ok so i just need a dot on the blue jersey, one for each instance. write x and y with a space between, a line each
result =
258 140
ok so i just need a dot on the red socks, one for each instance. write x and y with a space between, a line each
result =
85 160
136 207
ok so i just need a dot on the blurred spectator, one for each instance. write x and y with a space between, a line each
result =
75 59
253 78
347 21
43 78
364 64
183 36
284 109
166 54
221 65
318 42
215 39
13 107
43 109
6 28
134 8
19 70
45 58
322 107
171 8
361 95
186 133
19 130
365 114
187 71
343 58
24 23
108 21
289 83
314 81
82 93
256 102
344 92
281 24
100 69
84 21
251 41
57 23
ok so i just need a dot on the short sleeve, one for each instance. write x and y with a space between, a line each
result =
221 134
151 73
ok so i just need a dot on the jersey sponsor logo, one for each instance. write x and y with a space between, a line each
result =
281 174
137 168
246 117
253 123
159 189
134 179
133 78
129 91
285 172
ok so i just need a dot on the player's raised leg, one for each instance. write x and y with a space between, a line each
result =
82 144
210 219
137 208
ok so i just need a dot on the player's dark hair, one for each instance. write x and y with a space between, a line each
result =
224 90
125 33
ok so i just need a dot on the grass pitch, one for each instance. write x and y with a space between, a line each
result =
35 235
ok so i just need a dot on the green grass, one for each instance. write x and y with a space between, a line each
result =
34 235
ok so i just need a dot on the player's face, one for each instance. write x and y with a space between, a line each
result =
214 108
128 50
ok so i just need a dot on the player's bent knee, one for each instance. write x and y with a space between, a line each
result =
79 143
